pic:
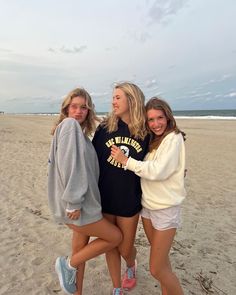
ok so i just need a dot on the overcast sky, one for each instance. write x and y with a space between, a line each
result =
182 50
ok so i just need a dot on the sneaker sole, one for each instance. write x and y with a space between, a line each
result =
58 271
130 289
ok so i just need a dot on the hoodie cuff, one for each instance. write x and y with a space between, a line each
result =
71 206
131 164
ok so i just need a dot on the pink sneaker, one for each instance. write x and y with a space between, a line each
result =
129 279
117 291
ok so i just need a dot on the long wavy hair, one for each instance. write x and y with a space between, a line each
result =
89 125
137 114
156 103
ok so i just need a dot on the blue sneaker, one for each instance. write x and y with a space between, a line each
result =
67 275
117 291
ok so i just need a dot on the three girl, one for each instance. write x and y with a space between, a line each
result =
121 142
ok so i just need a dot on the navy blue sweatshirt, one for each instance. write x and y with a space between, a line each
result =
120 189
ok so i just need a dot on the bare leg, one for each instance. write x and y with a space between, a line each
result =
113 259
160 266
108 237
78 242
148 229
128 227
126 249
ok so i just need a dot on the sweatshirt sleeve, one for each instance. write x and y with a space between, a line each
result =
71 164
161 167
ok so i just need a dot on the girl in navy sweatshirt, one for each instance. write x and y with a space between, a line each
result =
120 190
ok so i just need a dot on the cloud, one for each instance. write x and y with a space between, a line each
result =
200 95
52 50
231 95
220 79
98 94
142 37
67 50
73 50
225 77
218 95
151 83
33 104
156 12
31 99
161 10
211 81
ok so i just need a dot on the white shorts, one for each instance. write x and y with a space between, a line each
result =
163 219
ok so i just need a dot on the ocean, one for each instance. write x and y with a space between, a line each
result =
187 114
200 114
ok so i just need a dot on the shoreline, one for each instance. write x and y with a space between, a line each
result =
102 114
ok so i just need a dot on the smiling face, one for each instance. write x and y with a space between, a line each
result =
157 121
78 109
120 105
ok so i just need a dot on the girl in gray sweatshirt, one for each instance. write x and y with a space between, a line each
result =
73 193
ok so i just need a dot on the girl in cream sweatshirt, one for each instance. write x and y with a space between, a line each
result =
162 181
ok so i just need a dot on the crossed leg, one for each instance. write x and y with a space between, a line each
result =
78 242
107 236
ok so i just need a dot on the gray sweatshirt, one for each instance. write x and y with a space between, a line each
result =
73 173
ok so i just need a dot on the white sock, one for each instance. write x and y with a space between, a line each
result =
69 265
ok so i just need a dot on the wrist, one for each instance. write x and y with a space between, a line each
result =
70 210
125 162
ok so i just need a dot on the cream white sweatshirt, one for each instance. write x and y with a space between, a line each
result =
162 173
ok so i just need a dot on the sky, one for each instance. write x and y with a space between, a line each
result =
181 50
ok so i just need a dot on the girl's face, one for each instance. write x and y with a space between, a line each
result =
157 121
78 109
120 104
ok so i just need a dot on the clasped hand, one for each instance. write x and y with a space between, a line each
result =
118 155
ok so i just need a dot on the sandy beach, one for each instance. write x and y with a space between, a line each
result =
204 251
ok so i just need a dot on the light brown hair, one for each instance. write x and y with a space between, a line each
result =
89 125
156 103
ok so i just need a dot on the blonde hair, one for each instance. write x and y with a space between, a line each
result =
156 103
89 125
137 112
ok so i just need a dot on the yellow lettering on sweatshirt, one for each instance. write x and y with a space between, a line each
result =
110 142
124 140
113 162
